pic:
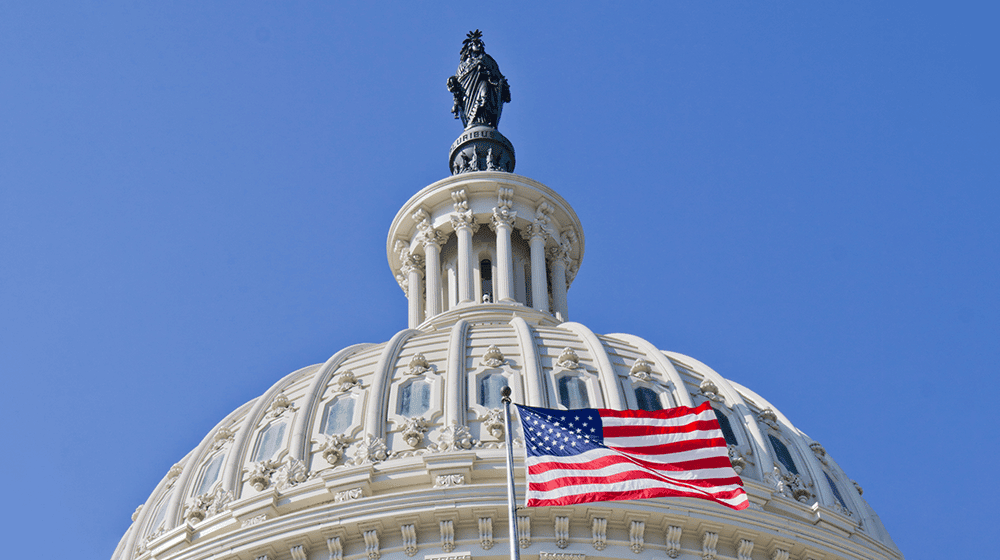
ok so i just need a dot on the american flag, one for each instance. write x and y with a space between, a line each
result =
597 454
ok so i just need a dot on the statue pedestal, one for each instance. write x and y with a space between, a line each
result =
481 148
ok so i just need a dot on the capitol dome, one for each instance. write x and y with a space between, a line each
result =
397 450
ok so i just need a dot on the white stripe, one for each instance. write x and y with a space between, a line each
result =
662 459
618 468
660 439
631 485
614 421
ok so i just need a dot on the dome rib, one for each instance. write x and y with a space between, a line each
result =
375 419
681 393
454 403
299 447
605 370
534 394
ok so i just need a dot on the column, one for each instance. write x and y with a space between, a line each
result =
539 284
465 225
520 292
432 240
452 287
503 287
413 269
560 259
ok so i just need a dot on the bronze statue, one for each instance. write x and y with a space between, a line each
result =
479 88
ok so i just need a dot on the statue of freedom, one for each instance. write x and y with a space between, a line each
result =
479 88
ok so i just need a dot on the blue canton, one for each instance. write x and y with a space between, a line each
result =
560 432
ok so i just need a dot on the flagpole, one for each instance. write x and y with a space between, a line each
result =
505 398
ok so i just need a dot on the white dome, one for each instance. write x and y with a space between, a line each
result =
335 450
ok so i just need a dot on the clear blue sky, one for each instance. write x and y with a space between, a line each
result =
194 199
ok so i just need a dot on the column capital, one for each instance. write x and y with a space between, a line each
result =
462 220
502 216
559 254
413 263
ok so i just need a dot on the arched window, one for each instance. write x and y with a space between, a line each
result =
784 456
210 474
489 389
486 276
269 442
159 514
647 399
414 399
727 428
836 491
573 393
339 416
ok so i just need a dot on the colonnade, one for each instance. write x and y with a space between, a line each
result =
547 263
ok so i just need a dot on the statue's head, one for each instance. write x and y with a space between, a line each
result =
472 45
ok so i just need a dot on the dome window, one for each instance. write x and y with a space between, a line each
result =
647 399
573 393
836 491
727 428
159 514
269 442
414 399
784 456
339 416
486 277
210 475
489 389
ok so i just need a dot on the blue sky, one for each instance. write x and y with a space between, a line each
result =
194 199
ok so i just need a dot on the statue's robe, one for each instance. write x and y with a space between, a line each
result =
485 90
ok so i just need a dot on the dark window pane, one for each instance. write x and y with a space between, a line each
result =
783 454
836 492
647 399
727 428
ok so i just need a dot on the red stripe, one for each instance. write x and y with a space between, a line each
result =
659 414
628 495
607 460
650 430
636 474
673 447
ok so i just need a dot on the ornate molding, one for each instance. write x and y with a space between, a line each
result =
335 548
736 459
493 357
260 474
743 549
369 449
819 451
452 438
861 491
371 544
561 556
502 217
297 552
447 535
789 485
779 554
418 365
462 217
255 520
673 538
562 531
222 437
414 430
486 532
768 417
332 447
710 390
636 536
290 473
556 254
493 423
449 480
347 495
641 369
347 381
568 359
708 542
210 503
279 406
524 531
599 533
409 533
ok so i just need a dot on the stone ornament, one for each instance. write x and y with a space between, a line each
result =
743 549
347 495
819 451
779 554
493 423
369 449
290 473
524 531
255 520
409 533
493 357
222 437
260 474
453 438
371 544
447 535
568 359
414 430
710 390
708 542
641 370
346 381
736 459
673 538
280 405
331 447
448 480
135 514
599 533
858 487
486 533
418 365
562 531
561 556
335 549
636 536
768 417
297 552
210 503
